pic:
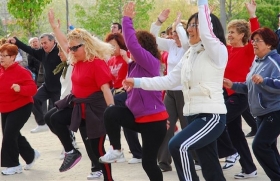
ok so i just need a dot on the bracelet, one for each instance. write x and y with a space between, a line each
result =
159 20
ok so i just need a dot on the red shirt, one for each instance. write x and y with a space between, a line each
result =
240 59
119 68
9 99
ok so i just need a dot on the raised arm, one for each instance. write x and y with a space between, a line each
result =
215 49
59 35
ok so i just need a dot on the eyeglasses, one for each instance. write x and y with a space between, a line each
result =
192 25
75 48
3 56
256 41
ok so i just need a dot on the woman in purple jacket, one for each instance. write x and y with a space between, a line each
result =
144 111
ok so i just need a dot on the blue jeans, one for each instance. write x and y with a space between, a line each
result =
200 134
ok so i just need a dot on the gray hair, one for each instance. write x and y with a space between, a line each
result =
50 36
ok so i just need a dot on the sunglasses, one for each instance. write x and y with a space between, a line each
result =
75 48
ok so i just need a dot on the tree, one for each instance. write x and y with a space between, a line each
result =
27 12
99 16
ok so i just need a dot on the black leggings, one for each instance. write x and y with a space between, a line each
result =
152 134
60 120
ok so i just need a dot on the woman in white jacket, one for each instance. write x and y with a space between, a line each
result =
200 72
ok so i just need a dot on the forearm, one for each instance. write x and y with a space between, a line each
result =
108 96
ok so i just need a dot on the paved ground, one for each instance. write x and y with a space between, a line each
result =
46 167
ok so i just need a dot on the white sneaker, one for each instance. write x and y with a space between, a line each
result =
36 156
112 156
230 161
62 154
197 167
135 160
107 138
74 143
40 128
12 170
95 175
242 175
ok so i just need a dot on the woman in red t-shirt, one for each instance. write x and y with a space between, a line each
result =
91 94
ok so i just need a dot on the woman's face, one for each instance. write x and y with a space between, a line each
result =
6 60
193 32
260 47
77 49
116 46
235 38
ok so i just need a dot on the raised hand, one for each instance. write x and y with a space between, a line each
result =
162 17
178 18
129 9
51 17
251 8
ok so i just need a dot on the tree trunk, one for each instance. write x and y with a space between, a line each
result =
223 17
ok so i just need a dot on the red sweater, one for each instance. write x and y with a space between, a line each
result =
9 99
119 68
240 59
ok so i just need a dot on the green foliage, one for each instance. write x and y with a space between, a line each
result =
26 12
99 16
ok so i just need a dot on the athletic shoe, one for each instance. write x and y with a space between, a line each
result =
12 170
62 154
70 160
40 128
197 167
251 134
230 161
165 168
112 156
135 160
95 175
36 156
242 175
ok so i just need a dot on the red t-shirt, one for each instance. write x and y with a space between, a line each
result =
119 68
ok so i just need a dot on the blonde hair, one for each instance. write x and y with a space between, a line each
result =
93 46
241 26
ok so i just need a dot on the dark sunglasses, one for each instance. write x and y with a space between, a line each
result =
75 48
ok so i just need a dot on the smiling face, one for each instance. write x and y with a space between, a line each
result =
193 32
235 38
78 53
260 47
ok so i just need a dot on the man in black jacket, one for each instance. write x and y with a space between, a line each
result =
50 89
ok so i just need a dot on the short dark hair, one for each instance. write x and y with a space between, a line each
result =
119 39
119 25
269 37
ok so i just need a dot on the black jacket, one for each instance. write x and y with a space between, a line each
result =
49 61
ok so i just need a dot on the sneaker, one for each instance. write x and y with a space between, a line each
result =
242 175
74 143
62 154
12 170
40 128
70 160
230 161
95 175
251 134
135 160
112 156
36 156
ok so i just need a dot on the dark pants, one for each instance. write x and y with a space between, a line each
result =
130 135
250 120
200 135
265 144
60 120
174 103
41 96
13 143
152 136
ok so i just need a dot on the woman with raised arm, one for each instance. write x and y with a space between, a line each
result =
144 111
90 95
200 72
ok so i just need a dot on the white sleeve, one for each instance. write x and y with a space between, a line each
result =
163 43
182 34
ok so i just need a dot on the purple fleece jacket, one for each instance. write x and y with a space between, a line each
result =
139 101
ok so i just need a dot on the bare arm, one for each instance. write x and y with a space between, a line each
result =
107 94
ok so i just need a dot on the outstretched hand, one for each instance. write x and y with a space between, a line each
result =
251 8
129 9
51 17
128 84
164 15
